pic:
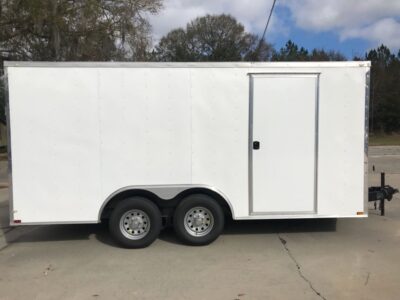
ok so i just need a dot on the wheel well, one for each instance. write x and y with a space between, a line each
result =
115 199
166 206
213 194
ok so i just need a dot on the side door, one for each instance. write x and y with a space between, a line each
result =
284 143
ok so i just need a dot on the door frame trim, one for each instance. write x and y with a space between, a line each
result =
250 142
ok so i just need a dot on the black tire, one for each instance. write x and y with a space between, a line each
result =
143 216
203 206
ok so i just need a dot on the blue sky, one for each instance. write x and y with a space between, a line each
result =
349 26
310 39
326 40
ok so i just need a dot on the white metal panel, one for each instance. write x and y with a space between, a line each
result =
341 141
145 127
55 144
220 132
284 122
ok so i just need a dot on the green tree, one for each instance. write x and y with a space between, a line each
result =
385 90
323 55
211 38
291 52
75 30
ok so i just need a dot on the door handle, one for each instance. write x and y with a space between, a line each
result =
256 145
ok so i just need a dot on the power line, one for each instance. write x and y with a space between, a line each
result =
266 25
269 18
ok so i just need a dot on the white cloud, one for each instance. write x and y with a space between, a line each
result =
373 20
251 13
386 30
377 21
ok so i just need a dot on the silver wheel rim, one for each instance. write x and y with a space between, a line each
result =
134 224
198 221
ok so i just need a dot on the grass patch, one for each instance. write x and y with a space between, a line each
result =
384 140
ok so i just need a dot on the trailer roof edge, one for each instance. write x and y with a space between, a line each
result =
86 64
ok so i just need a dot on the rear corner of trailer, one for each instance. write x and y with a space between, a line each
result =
53 148
343 140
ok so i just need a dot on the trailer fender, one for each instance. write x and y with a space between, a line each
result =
167 193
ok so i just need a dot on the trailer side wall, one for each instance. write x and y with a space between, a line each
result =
80 133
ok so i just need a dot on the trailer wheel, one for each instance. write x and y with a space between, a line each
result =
135 222
198 220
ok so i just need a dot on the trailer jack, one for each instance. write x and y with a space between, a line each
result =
381 193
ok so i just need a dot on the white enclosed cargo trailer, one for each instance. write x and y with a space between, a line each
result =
138 142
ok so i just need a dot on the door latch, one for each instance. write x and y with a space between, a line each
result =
256 145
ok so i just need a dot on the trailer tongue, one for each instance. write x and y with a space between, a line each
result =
381 193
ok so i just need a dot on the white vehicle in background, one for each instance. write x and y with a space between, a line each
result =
140 144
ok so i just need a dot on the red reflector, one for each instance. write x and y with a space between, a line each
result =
17 221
